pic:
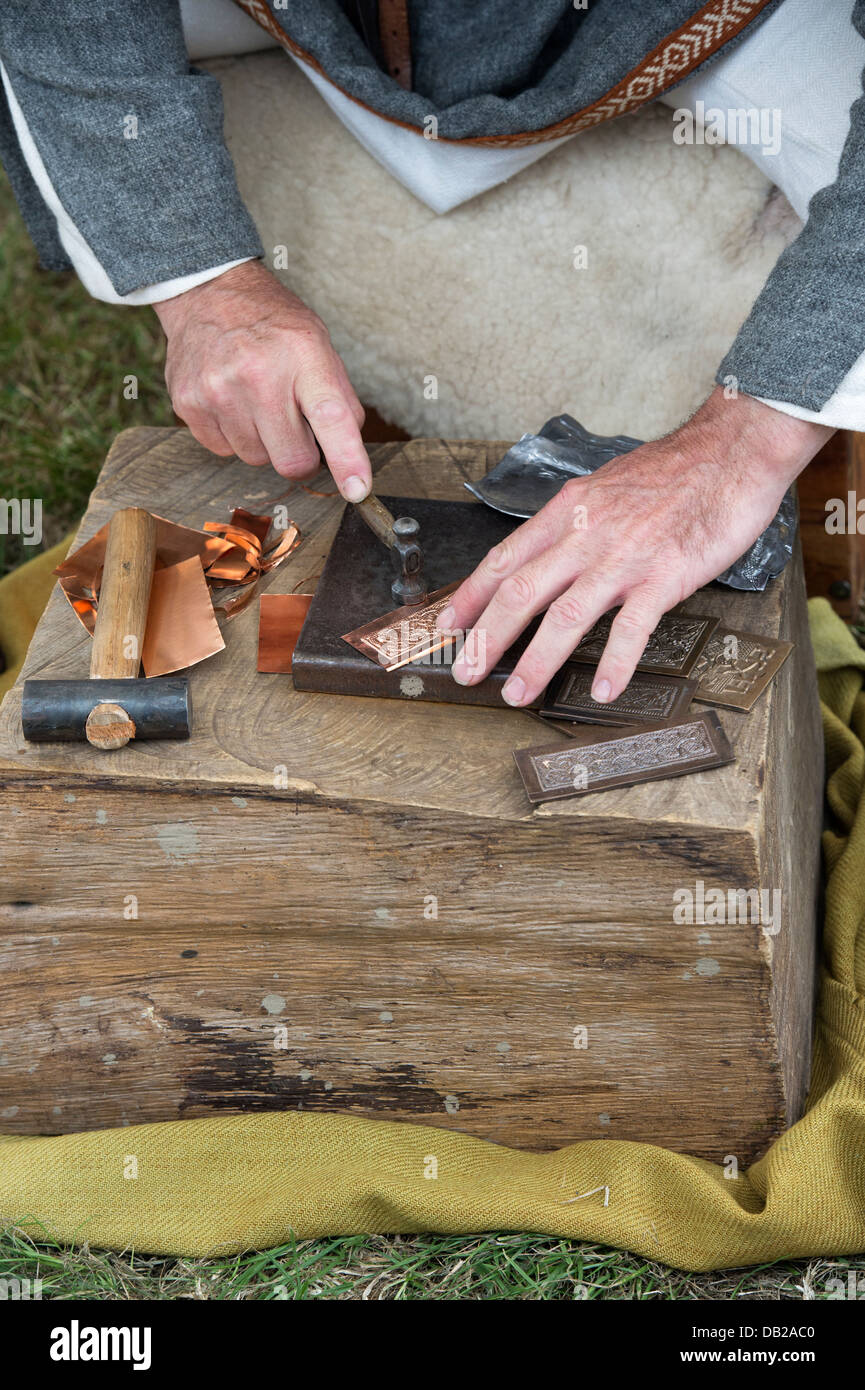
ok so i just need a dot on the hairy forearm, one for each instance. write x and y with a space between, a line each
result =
775 442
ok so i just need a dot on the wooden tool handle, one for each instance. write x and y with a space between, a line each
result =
378 518
124 595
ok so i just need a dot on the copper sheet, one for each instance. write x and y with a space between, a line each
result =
597 760
81 572
281 616
406 634
181 625
734 668
232 556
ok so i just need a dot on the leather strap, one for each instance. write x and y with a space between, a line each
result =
395 40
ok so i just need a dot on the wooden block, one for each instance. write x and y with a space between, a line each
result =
348 905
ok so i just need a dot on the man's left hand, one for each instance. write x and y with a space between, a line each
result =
644 532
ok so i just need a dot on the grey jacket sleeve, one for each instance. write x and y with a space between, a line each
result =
807 327
130 135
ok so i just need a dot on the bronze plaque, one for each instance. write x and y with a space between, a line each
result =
734 668
406 634
648 699
592 764
672 649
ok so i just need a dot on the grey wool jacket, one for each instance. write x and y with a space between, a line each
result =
166 204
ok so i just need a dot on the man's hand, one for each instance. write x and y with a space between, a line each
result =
252 372
645 531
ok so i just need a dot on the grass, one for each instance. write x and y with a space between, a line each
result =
513 1267
63 361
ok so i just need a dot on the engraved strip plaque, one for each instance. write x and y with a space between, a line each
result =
648 699
592 764
734 668
406 634
672 649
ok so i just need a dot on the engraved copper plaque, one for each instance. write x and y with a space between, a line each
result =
406 634
648 699
671 650
592 764
734 668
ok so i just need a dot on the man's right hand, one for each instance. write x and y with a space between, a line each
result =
252 372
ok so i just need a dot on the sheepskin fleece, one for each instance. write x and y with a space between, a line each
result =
486 299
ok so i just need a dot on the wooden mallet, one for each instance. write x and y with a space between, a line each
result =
115 704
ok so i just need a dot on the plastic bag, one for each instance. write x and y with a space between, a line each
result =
539 465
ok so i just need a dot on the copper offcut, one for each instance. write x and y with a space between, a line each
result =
190 565
280 619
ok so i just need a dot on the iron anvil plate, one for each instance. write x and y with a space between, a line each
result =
354 589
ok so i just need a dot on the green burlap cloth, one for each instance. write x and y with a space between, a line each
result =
237 1182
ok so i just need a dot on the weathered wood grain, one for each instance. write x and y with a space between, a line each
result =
340 746
427 942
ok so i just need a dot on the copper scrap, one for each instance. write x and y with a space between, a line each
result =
244 556
315 492
281 616
258 525
231 556
406 634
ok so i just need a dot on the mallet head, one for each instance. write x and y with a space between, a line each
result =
106 713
